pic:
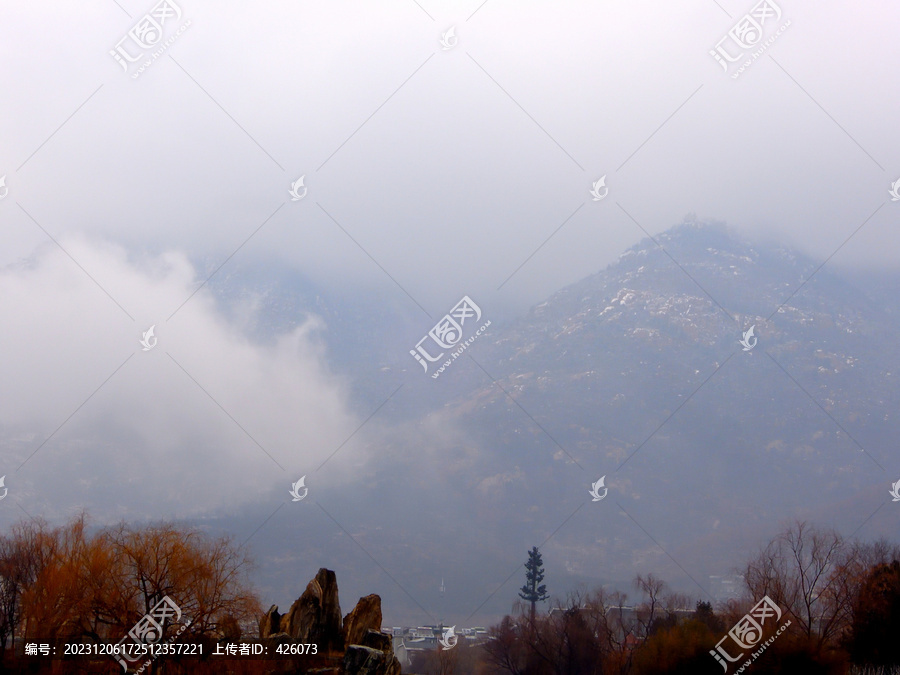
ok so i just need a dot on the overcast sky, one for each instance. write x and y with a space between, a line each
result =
449 167
443 172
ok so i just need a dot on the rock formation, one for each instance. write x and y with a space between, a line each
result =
374 656
354 646
364 617
271 623
315 617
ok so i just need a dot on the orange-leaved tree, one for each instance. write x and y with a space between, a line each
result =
71 582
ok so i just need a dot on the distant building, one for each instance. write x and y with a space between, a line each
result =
726 587
401 652
407 641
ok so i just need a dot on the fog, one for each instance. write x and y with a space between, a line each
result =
432 170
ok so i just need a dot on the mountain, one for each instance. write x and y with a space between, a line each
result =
602 363
636 374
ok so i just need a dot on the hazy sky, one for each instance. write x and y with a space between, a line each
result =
444 172
450 167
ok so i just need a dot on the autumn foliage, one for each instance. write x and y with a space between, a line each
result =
73 583
841 597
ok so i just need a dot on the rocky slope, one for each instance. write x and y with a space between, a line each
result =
636 374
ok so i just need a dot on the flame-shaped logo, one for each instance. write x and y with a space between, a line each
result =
597 185
595 489
5 190
3 485
749 341
894 192
895 490
449 39
148 340
296 487
296 187
450 638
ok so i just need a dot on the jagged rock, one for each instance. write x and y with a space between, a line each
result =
378 640
362 628
364 617
361 660
271 623
315 617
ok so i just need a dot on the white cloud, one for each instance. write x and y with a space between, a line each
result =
151 441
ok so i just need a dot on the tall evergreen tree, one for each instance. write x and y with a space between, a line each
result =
534 591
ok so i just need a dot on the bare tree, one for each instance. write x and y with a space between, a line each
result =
803 569
563 641
206 577
19 566
619 629
506 650
648 611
